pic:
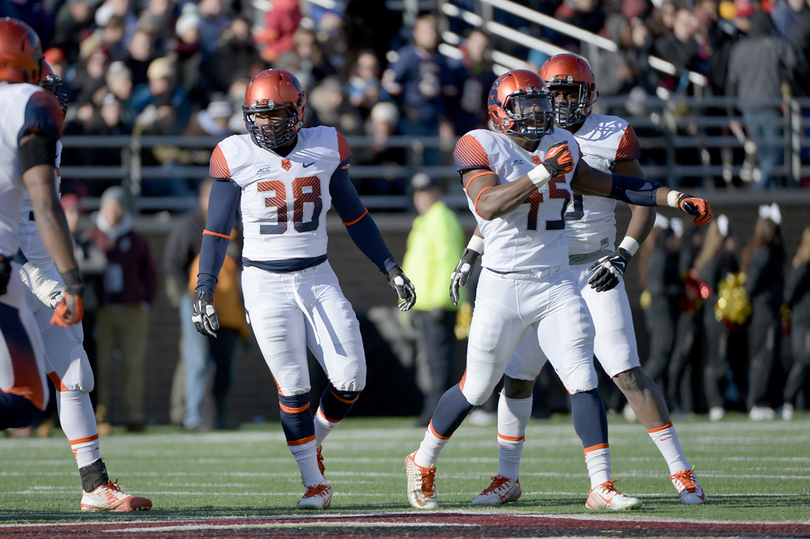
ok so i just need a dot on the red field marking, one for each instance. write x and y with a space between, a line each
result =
411 525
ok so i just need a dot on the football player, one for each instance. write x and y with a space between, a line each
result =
283 178
607 143
32 123
519 181
65 357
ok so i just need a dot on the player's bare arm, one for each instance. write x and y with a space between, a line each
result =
633 190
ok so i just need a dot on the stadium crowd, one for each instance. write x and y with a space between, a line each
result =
166 67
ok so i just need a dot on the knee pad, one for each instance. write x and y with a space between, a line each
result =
580 378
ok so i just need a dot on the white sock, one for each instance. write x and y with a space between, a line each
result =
666 440
307 459
79 425
429 449
597 458
322 427
513 416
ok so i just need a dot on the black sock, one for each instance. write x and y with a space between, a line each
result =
93 476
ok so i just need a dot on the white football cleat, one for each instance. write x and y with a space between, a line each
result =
421 484
606 497
318 497
690 491
110 497
501 491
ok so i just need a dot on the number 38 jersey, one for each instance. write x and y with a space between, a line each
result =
284 199
590 221
531 236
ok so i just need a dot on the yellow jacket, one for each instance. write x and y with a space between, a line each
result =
227 296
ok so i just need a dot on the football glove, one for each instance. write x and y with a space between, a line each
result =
403 287
698 207
558 161
204 314
70 308
462 273
608 270
5 273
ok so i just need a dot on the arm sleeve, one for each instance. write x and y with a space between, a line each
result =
224 198
362 228
632 190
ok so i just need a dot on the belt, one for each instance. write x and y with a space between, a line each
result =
587 258
536 274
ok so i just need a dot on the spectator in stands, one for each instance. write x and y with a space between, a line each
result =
763 262
313 62
57 59
620 71
140 54
370 24
759 90
280 23
236 57
160 91
801 44
73 23
785 14
114 38
732 27
797 297
681 50
236 97
329 106
474 78
157 20
90 81
125 295
213 22
662 19
381 125
420 79
435 244
182 248
365 89
212 121
589 15
717 259
120 14
119 83
186 51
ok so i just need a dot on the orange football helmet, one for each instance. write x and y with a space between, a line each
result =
565 71
52 82
520 104
270 90
20 52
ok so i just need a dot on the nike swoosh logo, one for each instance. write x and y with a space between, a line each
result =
308 164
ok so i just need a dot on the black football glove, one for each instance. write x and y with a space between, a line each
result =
5 273
205 315
462 273
403 287
608 270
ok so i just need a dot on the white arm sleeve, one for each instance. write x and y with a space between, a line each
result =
46 290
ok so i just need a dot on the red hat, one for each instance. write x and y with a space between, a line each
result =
55 55
744 8
70 201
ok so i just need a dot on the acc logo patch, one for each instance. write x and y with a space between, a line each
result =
286 164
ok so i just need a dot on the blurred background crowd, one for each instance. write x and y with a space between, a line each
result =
723 318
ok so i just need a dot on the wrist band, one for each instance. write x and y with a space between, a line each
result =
539 175
672 198
476 244
630 245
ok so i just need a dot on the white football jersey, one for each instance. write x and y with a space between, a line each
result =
30 241
22 107
284 199
531 236
590 220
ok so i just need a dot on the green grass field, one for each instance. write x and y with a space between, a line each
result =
751 471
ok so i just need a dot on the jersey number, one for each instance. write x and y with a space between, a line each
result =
578 210
305 191
536 198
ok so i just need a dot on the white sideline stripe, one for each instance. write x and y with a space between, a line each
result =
331 524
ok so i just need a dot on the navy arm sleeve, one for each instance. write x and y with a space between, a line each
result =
362 228
633 190
224 200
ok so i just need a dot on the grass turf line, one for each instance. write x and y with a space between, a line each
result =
751 471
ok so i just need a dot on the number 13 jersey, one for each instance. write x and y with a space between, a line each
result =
284 199
532 235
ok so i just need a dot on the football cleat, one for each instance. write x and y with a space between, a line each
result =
690 491
318 497
321 467
501 491
110 497
606 497
421 484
